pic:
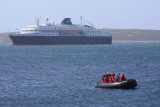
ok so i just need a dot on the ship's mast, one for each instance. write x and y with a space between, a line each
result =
37 21
46 19
81 19
84 21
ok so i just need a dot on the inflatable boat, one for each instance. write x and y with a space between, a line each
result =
128 84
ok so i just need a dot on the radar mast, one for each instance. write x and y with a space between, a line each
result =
37 21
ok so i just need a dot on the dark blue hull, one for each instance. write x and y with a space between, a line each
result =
60 40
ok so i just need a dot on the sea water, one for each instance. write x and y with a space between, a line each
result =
65 75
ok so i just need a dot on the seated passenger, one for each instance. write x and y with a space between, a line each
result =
112 77
107 78
118 77
103 78
123 78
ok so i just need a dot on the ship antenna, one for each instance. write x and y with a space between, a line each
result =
46 19
84 21
37 21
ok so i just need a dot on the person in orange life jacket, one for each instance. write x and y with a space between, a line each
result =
123 78
106 78
109 78
118 77
112 77
103 78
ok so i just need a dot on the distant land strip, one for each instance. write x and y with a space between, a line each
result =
117 35
134 34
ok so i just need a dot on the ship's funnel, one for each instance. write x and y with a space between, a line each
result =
66 21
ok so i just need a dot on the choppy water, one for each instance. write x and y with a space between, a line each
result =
65 75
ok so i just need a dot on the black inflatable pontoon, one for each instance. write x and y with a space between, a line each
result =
128 84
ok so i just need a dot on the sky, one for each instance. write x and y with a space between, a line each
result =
114 14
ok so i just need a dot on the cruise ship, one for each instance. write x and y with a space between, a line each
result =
65 33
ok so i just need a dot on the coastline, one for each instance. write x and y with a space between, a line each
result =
118 35
4 38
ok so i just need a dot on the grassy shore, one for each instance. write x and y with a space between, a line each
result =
117 35
134 34
4 38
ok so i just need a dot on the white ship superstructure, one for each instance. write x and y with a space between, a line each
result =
50 29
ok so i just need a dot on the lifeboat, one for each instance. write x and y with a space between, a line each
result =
128 84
